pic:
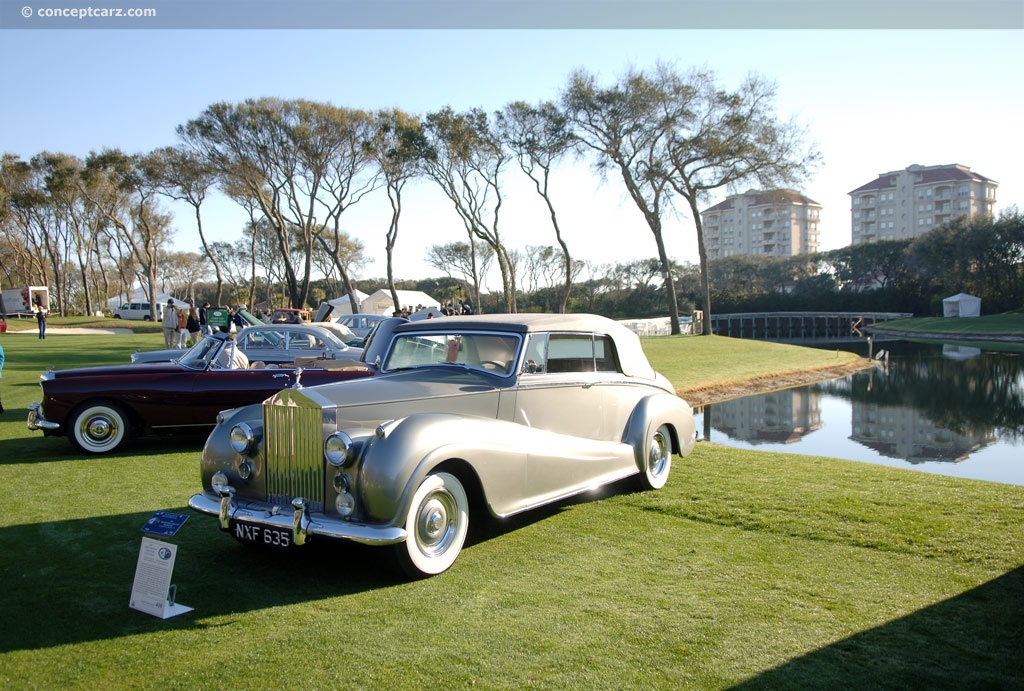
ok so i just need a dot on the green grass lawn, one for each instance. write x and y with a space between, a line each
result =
749 569
1006 324
693 362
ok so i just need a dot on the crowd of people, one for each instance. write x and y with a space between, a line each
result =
447 309
187 325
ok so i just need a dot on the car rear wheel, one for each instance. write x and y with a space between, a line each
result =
98 428
657 458
437 524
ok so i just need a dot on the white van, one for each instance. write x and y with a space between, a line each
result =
138 310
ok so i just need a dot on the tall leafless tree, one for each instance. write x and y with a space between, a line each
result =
729 139
397 146
466 159
625 127
538 137
127 198
185 176
295 159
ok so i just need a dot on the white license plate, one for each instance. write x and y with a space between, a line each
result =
263 535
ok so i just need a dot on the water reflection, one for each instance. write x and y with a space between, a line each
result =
931 407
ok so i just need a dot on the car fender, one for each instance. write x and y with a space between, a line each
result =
653 411
217 452
407 450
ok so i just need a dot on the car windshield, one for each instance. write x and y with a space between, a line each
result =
490 352
333 339
201 354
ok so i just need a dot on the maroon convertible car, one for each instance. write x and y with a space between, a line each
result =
99 408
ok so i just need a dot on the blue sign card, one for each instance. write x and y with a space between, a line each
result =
164 523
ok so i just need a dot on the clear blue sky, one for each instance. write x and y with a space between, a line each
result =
873 100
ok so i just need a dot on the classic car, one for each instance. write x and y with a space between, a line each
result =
275 343
360 324
497 413
99 408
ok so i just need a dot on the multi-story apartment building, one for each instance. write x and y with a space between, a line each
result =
904 204
774 223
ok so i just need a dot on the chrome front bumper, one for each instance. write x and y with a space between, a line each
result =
37 421
296 518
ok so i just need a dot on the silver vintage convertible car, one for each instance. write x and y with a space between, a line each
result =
501 413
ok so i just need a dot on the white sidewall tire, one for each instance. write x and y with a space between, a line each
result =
98 428
437 525
657 458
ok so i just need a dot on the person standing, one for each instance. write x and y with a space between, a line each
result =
192 325
41 318
170 325
204 319
182 328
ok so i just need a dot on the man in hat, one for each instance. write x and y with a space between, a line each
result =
170 325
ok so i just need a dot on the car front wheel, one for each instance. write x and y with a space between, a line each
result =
437 524
98 428
657 459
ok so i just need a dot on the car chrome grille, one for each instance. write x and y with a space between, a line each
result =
294 454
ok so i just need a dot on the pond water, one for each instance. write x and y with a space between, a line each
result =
938 408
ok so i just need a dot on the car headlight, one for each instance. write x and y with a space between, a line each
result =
338 449
243 439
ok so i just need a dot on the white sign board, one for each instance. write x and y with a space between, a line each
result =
151 591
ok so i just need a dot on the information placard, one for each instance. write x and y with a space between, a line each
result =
218 318
151 591
164 523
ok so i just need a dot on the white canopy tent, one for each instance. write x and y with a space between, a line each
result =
342 304
380 302
961 305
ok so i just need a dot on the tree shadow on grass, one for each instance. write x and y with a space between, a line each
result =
70 581
67 582
972 641
32 447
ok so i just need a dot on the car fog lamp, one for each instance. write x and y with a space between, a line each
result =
341 482
345 504
338 449
218 481
243 439
245 470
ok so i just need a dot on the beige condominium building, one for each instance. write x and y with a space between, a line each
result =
904 204
773 223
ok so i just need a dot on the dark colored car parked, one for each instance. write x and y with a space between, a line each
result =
100 408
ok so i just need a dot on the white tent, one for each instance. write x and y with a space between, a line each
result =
341 305
961 305
380 302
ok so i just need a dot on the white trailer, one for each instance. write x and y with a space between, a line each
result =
24 300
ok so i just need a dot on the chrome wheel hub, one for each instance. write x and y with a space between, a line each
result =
99 429
433 530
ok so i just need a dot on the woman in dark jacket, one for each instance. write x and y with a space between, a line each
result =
192 325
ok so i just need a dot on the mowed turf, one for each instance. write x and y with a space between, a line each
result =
749 569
